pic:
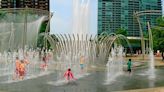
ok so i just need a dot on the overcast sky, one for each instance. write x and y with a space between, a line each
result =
62 16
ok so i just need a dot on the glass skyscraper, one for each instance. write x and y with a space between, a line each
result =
116 14
38 4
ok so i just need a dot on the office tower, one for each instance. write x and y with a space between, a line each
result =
116 14
38 4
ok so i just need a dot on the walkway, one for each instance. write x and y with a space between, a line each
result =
158 89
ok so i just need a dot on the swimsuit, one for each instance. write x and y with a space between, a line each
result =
82 66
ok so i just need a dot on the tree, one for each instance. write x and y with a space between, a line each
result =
160 21
158 35
158 38
121 31
43 27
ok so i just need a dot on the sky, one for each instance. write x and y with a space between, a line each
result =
61 22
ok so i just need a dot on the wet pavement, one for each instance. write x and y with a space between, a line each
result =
91 83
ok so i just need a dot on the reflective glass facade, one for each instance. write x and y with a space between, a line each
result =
38 4
116 14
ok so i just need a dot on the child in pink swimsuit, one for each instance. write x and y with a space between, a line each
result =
69 75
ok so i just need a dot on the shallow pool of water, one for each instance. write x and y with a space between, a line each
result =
90 83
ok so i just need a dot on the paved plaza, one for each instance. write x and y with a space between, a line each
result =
138 81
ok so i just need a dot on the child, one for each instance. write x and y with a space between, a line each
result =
26 60
17 64
44 65
82 62
129 65
69 75
22 70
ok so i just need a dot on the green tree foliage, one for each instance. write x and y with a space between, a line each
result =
2 14
43 27
41 38
122 31
160 21
158 34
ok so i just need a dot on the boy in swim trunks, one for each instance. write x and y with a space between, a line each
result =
82 63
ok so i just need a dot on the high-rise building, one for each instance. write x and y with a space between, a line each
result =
0 3
39 4
116 14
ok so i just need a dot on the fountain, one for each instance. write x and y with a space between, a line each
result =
115 55
81 17
19 34
19 39
151 70
18 28
151 65
114 64
70 48
69 52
